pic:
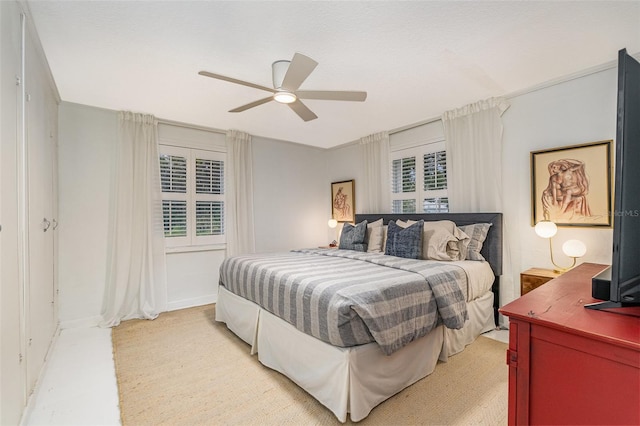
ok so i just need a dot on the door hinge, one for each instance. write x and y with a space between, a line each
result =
18 81
19 358
512 358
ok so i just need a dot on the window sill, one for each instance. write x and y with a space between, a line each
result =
187 249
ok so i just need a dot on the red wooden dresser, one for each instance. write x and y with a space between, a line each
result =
568 364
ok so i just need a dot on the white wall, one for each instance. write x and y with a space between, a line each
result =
292 198
292 192
344 163
292 206
87 138
192 276
577 111
574 112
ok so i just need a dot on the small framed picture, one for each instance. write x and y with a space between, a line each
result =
571 186
343 201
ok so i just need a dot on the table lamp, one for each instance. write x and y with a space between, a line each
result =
572 248
333 224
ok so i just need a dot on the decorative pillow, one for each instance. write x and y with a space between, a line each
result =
477 234
384 238
404 242
352 237
373 238
442 240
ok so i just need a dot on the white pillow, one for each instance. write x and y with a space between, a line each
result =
374 237
442 240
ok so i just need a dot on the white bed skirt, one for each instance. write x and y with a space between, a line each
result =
345 380
481 320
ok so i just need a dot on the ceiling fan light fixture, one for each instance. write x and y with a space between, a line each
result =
285 97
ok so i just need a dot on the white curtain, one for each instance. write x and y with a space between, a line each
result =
473 136
239 231
136 284
376 170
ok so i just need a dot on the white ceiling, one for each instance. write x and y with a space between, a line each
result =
415 59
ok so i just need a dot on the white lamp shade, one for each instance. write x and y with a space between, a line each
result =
574 248
546 229
332 223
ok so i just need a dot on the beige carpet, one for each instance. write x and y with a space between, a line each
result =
184 368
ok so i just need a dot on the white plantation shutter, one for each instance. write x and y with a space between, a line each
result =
404 175
418 189
174 214
434 167
435 170
209 218
173 180
173 173
209 184
193 196
209 176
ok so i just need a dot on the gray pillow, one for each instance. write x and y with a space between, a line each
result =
352 237
477 234
405 242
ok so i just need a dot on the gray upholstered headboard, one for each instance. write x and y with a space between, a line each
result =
491 249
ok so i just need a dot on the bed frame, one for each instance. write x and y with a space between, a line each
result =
491 249
356 379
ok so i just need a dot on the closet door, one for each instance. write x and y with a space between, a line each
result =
40 153
12 359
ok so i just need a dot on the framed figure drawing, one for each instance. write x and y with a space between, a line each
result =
571 186
343 201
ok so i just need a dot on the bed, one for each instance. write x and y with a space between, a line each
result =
352 356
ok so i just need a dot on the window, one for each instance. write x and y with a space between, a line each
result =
192 196
419 180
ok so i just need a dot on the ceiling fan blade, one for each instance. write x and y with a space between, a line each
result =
252 104
299 69
301 109
328 95
234 80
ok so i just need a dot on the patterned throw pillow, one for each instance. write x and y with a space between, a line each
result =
352 237
404 242
477 234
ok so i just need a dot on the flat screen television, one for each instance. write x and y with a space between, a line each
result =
623 277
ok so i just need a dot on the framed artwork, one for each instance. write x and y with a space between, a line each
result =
343 201
571 186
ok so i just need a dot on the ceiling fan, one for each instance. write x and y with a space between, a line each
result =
287 78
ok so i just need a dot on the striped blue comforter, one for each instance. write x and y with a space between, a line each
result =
349 298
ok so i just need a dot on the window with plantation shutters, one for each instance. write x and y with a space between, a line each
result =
193 196
209 176
173 178
435 170
209 185
174 215
419 179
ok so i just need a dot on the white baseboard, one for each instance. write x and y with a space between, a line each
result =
94 321
190 303
86 322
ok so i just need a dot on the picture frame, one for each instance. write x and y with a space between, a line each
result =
343 201
571 185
